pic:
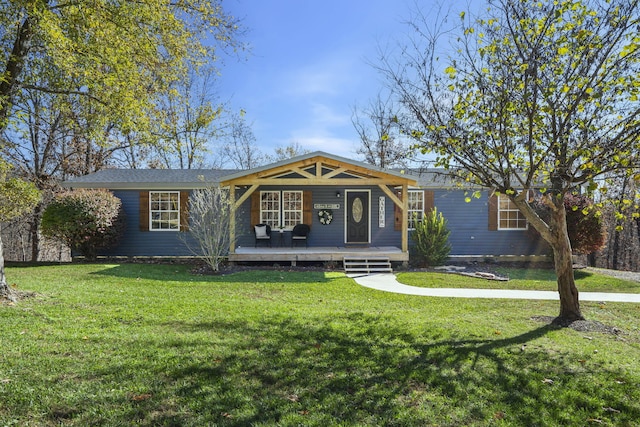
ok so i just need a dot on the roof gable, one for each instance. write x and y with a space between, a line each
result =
318 168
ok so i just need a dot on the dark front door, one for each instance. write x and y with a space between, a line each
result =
357 217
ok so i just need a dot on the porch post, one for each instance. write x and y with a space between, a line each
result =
232 219
405 224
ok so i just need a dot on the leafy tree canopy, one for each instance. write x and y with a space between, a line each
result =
16 198
86 220
532 92
16 195
585 225
116 55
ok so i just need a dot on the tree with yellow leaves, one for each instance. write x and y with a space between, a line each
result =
112 58
531 92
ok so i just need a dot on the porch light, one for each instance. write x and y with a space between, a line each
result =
338 194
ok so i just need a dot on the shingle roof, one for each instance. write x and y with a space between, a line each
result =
184 179
432 178
167 179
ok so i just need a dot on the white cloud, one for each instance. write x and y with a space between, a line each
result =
323 115
330 76
324 127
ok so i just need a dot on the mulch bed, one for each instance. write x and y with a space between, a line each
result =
579 325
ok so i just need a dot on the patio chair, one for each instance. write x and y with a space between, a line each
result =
299 233
262 234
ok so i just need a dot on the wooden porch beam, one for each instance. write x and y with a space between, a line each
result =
232 220
392 196
246 195
321 181
334 172
303 173
405 220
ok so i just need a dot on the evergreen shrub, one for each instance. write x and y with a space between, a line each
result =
431 239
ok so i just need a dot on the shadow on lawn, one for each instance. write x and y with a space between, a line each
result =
184 273
364 370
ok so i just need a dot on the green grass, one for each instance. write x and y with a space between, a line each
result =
153 345
528 279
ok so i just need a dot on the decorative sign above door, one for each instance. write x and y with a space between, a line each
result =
326 206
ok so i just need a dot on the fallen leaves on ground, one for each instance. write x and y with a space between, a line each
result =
141 397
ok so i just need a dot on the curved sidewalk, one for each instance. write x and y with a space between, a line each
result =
387 282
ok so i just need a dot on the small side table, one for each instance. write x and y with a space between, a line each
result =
282 231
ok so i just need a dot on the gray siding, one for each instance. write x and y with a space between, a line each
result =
331 234
468 223
147 243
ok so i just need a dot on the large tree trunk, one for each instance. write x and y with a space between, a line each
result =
555 233
8 84
569 303
5 290
35 232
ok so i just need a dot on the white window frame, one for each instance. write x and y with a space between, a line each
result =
510 209
415 205
292 209
281 213
162 210
270 209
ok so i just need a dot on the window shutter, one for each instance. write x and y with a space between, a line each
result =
397 214
306 208
255 208
493 212
184 211
429 201
144 211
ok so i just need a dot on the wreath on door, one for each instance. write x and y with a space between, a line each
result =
325 216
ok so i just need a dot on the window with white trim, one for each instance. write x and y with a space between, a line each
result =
509 216
291 208
416 207
164 210
281 208
270 208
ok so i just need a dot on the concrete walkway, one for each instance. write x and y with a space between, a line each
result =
387 282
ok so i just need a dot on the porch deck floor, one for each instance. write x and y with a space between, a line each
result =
324 253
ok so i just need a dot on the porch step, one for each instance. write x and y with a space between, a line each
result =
366 264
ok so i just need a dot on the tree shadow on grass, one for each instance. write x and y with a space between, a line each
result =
358 369
184 273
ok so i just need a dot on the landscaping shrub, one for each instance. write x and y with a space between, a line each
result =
431 239
86 220
209 225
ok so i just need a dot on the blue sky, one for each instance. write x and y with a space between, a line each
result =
308 68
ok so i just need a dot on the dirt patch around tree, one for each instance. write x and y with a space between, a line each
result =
579 325
16 296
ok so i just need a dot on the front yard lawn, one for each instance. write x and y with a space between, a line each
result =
520 278
154 345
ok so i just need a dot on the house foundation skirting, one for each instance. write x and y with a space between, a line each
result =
323 254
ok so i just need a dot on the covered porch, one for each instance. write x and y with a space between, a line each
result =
322 254
307 188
